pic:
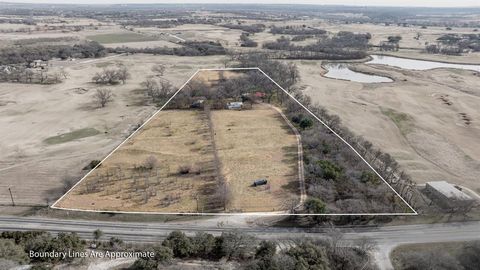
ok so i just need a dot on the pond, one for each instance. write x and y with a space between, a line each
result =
341 71
417 64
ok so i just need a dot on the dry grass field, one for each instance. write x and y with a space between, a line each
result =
257 144
174 140
251 144
420 118
31 114
434 105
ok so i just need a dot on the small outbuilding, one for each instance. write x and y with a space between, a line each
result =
236 105
447 195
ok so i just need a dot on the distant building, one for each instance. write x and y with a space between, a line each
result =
38 64
237 105
447 195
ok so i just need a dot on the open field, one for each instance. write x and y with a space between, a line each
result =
419 118
175 140
251 144
203 32
37 112
119 38
257 144
428 119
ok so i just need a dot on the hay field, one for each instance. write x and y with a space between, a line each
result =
175 139
255 144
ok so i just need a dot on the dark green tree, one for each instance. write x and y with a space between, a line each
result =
180 244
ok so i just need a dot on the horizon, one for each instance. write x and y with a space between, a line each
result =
347 3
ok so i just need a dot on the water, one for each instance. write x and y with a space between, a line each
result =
417 64
341 71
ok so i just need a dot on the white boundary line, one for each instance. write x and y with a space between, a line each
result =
53 206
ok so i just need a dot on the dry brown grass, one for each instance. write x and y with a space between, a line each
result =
255 144
251 144
176 139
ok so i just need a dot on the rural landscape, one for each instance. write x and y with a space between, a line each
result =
239 136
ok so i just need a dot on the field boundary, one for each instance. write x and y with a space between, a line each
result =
53 206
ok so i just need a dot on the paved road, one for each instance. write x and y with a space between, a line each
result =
386 237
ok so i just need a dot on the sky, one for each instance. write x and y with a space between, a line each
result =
402 3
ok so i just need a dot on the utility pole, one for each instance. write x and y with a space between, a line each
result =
11 196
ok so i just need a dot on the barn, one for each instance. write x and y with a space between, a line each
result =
447 195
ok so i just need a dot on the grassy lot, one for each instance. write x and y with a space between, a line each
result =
255 144
120 38
178 141
71 136
402 120
251 144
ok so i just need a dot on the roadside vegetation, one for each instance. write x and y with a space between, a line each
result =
442 256
240 250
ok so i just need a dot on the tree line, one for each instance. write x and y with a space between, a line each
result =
249 28
296 30
340 46
28 54
189 48
455 44
252 254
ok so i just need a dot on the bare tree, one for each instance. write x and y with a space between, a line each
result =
151 88
57 77
165 89
103 96
111 76
159 69
43 75
64 73
123 74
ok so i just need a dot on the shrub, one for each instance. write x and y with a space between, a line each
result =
150 162
184 169
370 177
11 251
330 171
306 123
179 243
92 164
315 206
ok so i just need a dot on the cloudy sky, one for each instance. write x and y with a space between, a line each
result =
405 3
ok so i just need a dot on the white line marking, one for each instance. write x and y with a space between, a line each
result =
130 136
53 206
343 140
